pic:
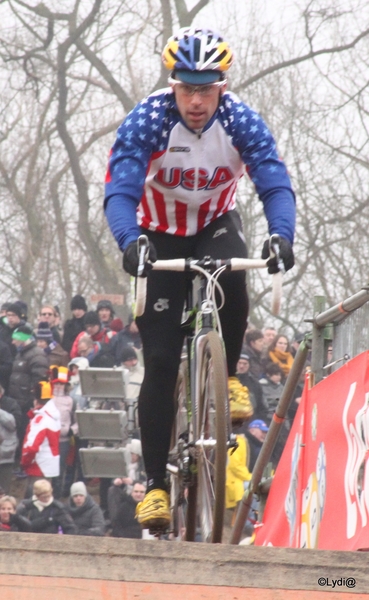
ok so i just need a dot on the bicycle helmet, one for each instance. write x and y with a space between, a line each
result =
197 56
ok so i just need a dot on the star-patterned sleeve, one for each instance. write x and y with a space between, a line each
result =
266 170
137 139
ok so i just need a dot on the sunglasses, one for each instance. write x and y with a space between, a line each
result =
189 90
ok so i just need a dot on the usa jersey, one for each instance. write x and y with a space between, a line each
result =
165 177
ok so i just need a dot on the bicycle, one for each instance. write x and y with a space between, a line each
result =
201 434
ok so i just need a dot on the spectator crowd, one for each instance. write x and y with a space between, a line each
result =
40 391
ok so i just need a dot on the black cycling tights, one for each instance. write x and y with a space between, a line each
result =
162 336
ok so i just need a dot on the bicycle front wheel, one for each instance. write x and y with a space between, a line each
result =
211 444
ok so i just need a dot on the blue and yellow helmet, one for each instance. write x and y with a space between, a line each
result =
197 50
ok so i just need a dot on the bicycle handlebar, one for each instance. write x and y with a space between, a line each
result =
232 264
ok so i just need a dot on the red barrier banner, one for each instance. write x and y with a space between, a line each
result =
320 494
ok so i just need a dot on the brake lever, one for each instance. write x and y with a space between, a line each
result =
274 249
143 253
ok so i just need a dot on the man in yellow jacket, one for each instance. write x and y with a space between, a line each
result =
237 472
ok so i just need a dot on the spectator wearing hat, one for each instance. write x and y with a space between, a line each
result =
53 350
253 385
255 434
106 314
46 514
68 426
86 514
3 308
129 360
75 325
40 449
95 330
9 323
49 314
122 509
29 367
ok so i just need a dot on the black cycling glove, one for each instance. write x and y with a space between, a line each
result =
285 254
130 259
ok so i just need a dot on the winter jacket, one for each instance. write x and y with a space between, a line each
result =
6 333
260 405
52 519
255 360
8 437
30 366
237 472
72 328
122 510
6 365
40 452
122 340
56 355
88 518
271 394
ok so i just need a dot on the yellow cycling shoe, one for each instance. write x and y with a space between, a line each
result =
239 400
154 511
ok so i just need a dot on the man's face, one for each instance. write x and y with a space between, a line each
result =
78 313
138 492
6 510
104 314
79 499
42 344
276 378
92 329
257 345
269 335
243 366
129 364
84 349
47 314
197 109
256 432
13 319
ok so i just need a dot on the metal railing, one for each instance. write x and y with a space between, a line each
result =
344 326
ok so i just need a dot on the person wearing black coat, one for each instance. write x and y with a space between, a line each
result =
75 325
122 510
6 365
86 514
46 514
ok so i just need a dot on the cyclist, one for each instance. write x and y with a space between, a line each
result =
172 174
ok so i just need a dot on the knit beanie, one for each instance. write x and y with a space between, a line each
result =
78 302
15 308
105 304
78 488
23 308
92 318
44 332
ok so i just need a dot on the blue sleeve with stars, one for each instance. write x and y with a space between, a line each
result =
267 171
138 138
